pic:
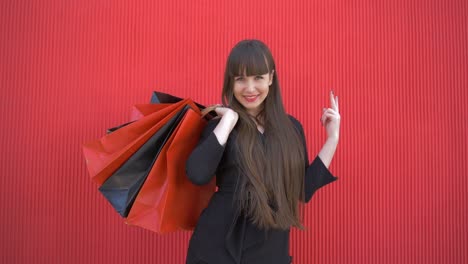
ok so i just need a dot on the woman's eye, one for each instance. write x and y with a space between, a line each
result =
241 78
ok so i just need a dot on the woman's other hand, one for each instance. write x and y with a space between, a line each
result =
331 118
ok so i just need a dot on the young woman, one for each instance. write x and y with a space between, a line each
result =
258 153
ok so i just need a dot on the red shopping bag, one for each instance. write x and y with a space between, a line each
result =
105 155
168 201
122 187
165 199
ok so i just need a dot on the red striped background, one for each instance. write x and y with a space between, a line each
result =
72 69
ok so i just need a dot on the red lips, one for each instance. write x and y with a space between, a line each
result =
251 99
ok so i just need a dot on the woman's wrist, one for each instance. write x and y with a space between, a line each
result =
222 130
229 120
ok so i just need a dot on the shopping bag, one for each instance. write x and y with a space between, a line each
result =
121 188
185 201
141 110
159 98
168 201
105 155
159 198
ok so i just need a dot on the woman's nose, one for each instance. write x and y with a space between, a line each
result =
250 86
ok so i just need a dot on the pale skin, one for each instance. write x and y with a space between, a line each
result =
330 119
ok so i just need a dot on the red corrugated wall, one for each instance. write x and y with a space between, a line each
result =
72 69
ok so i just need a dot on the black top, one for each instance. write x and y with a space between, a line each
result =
220 236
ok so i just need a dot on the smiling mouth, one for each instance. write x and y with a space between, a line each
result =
251 99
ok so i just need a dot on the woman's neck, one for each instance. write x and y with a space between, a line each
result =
259 126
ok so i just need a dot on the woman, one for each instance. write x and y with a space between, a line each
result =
259 156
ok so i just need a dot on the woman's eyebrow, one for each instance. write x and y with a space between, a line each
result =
236 76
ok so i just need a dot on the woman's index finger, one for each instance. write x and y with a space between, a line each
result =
332 101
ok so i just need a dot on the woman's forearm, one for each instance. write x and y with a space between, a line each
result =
328 150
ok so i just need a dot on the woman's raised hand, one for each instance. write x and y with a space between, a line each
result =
331 118
228 120
227 115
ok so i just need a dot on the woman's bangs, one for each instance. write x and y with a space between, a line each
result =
250 63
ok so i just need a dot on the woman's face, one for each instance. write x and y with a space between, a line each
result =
251 91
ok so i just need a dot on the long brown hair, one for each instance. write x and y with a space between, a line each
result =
272 182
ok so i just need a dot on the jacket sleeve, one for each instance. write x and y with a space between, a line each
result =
317 174
205 157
